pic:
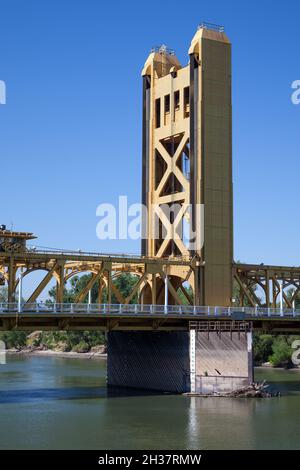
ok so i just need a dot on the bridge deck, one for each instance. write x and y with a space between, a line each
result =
138 317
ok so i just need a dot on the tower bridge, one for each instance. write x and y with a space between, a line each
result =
152 273
171 340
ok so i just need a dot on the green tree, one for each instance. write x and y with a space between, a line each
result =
70 339
3 294
124 283
14 339
282 352
182 297
262 347
290 294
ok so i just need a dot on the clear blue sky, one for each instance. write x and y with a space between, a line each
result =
71 128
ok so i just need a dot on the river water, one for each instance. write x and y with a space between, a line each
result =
58 403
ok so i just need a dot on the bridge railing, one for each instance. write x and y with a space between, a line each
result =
109 256
147 310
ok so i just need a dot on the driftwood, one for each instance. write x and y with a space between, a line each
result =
255 390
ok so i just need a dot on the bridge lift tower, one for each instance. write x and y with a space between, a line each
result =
187 161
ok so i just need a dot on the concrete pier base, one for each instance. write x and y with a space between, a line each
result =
204 362
157 361
223 362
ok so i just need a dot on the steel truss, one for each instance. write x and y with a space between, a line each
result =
152 275
273 280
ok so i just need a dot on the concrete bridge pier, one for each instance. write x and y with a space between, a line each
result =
209 358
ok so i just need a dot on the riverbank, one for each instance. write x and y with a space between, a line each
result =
63 354
268 365
100 353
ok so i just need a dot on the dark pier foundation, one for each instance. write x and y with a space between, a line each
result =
149 360
209 359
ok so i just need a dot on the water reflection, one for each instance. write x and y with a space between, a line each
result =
47 402
220 423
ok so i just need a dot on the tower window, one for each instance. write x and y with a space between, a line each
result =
157 113
176 100
186 101
167 103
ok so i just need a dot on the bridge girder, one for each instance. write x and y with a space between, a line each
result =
151 275
104 269
270 279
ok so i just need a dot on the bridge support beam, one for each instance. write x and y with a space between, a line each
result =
196 361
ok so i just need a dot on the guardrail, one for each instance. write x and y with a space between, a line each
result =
235 313
124 256
212 27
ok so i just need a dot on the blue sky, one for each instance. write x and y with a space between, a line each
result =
70 133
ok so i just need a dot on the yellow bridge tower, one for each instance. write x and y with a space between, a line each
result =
187 160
